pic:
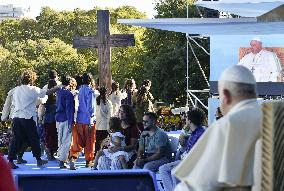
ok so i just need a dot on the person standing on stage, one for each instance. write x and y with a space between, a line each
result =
25 99
83 133
65 109
49 125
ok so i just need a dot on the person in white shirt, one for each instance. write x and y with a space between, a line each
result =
115 97
264 64
25 98
223 158
103 115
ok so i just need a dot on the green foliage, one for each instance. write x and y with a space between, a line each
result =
165 56
41 55
46 43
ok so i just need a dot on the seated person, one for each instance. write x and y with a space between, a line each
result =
154 146
113 157
183 137
195 119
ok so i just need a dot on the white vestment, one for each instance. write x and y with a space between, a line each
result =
264 65
225 153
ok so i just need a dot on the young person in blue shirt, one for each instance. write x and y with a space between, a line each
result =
65 108
83 133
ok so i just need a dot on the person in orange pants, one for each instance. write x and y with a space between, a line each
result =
83 133
83 137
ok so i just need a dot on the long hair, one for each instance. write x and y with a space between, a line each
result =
128 84
102 96
51 98
114 88
115 124
130 115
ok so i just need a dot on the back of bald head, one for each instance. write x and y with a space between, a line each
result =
239 81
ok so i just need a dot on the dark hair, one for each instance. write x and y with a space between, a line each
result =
102 96
51 98
141 93
128 84
98 81
78 79
218 114
52 74
115 124
87 78
196 116
114 87
130 115
146 83
65 80
28 77
151 115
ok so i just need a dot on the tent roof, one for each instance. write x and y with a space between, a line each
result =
244 8
262 12
210 26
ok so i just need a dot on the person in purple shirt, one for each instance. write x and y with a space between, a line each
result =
65 108
83 133
195 117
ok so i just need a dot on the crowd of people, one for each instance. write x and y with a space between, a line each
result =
74 115
119 130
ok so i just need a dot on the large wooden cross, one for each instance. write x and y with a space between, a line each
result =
103 41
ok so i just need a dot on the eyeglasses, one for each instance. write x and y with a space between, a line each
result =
145 122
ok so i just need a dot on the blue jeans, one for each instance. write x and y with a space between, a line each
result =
153 165
168 180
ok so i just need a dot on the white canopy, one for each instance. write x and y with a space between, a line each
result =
210 26
223 26
244 8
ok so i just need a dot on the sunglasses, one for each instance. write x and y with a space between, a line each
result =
145 122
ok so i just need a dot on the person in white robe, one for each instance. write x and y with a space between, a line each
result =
223 157
264 64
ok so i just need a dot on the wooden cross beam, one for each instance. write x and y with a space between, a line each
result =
104 41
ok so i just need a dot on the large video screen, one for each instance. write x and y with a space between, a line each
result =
262 55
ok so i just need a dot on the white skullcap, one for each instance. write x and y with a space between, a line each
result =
238 74
256 39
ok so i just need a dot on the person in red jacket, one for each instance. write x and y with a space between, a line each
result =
6 179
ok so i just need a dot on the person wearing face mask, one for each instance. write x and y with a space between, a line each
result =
154 145
195 121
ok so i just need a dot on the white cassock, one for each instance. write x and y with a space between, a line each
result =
264 65
225 153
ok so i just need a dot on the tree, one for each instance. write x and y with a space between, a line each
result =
165 56
46 43
42 56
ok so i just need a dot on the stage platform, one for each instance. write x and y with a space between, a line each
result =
33 177
50 166
30 177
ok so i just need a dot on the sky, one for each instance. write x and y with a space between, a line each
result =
146 6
